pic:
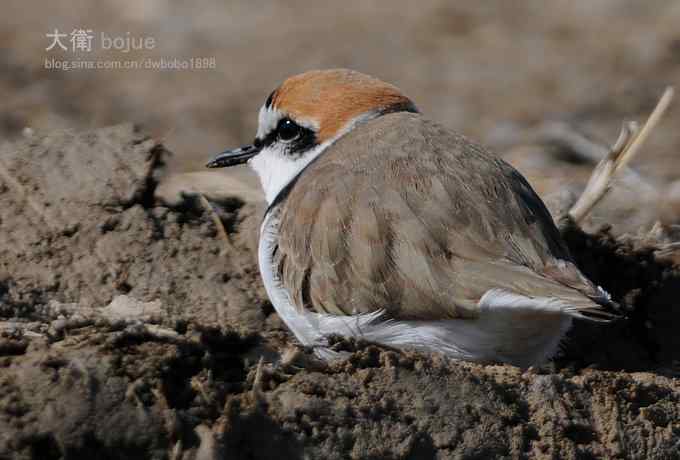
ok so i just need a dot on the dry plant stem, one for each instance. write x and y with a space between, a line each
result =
218 224
257 381
600 181
623 151
256 390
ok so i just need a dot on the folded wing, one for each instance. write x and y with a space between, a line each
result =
421 225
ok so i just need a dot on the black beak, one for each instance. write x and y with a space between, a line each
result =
233 157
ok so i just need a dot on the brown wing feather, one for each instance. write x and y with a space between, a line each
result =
405 216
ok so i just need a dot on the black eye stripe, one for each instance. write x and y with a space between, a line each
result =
270 99
306 138
268 140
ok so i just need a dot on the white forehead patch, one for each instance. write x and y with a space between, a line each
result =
267 121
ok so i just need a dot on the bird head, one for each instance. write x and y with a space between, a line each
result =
305 115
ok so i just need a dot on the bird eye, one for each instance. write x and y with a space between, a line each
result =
288 130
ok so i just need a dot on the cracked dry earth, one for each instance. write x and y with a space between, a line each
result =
132 329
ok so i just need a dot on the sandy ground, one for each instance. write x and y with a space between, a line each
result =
132 329
129 328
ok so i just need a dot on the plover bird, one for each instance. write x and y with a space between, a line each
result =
385 226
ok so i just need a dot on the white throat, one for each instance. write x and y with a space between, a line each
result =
276 170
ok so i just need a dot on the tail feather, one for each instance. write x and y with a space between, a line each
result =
597 314
556 287
596 307
585 299
561 300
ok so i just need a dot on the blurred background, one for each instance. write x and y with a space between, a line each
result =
525 78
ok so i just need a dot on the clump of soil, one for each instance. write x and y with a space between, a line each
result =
131 329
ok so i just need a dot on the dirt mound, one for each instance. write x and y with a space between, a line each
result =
131 329
80 225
